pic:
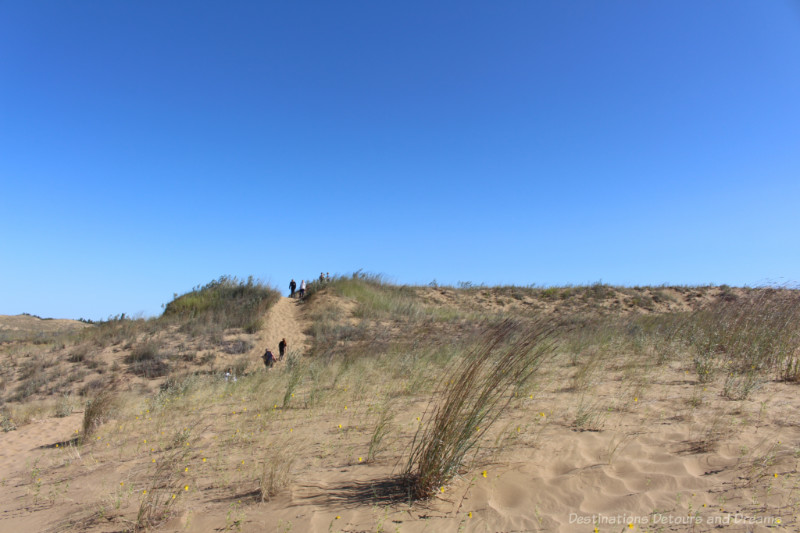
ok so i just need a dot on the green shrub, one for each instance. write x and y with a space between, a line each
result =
227 301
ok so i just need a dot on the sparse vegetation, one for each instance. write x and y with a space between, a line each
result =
452 385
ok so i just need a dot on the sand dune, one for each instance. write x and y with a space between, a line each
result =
656 452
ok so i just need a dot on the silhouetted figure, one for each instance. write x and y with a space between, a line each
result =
282 349
292 287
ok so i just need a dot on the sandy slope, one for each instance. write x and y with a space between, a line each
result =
284 320
651 453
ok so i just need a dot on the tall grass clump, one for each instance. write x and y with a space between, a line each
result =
471 397
748 338
99 409
382 427
227 301
276 470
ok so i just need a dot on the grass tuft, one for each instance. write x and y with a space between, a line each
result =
99 409
471 397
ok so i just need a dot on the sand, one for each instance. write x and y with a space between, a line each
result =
659 453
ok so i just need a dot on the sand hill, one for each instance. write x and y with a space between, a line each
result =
651 409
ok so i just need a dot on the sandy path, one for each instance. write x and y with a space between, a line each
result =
284 320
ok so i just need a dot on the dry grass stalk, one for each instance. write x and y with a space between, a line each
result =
99 409
471 397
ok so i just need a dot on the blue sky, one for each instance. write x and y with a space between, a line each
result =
147 147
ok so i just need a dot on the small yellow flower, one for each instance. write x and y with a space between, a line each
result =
635 400
345 408
469 514
204 459
56 445
777 520
173 496
186 469
485 474
121 483
441 489
186 487
154 460
630 526
340 426
775 474
242 461
338 517
144 492
360 459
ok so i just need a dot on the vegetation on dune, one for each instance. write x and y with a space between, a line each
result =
748 340
441 382
470 398
227 301
151 348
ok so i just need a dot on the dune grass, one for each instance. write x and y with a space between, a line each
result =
470 399
227 301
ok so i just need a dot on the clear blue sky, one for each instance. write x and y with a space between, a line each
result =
147 146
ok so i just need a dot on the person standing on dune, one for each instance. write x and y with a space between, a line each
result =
292 287
302 288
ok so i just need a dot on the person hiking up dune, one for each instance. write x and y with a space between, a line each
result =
302 288
282 349
268 358
292 287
